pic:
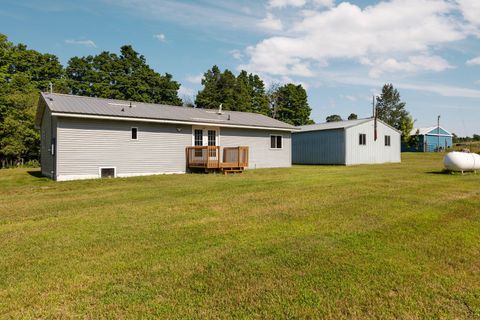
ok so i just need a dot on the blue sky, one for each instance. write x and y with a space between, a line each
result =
343 52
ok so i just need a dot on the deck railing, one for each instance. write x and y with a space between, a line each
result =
235 157
211 157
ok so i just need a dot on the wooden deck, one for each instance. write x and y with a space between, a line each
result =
216 158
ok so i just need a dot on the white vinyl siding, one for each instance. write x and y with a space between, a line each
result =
259 142
85 145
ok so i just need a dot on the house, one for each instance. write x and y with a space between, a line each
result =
84 137
429 140
346 143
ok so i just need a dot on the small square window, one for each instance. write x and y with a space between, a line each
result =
362 139
134 133
387 141
276 142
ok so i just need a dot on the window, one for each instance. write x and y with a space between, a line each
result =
362 139
212 141
387 141
212 137
275 142
134 133
198 141
107 172
198 137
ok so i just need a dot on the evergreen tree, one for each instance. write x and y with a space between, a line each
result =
334 118
245 92
352 116
391 110
292 105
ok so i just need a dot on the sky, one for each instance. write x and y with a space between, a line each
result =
341 52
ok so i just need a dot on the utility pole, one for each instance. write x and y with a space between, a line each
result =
373 106
438 133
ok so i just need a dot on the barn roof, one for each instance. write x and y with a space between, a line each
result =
89 107
429 130
338 125
333 125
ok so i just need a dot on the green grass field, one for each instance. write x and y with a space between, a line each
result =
374 241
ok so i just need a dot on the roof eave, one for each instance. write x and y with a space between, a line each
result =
215 124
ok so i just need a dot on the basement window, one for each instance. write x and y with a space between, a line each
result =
276 142
134 133
387 141
107 172
362 139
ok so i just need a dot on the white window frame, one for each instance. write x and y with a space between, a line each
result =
270 141
131 131
107 167
365 141
389 140
205 134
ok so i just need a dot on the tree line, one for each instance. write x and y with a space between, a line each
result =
24 73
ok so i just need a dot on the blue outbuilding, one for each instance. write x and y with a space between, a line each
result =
431 139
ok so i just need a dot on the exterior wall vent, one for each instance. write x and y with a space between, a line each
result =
107 172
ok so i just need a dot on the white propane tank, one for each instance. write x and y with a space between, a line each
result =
462 161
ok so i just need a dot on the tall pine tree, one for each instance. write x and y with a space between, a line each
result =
245 92
291 104
391 110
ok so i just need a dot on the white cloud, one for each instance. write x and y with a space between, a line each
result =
399 33
86 43
440 89
236 54
470 10
270 23
286 3
474 61
411 65
299 3
160 37
186 92
196 79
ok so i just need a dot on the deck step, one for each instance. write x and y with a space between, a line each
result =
231 170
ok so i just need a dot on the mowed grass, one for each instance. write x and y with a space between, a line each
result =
373 241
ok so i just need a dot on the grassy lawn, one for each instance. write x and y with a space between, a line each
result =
373 241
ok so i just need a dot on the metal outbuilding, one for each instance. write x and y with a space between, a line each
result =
361 141
430 139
